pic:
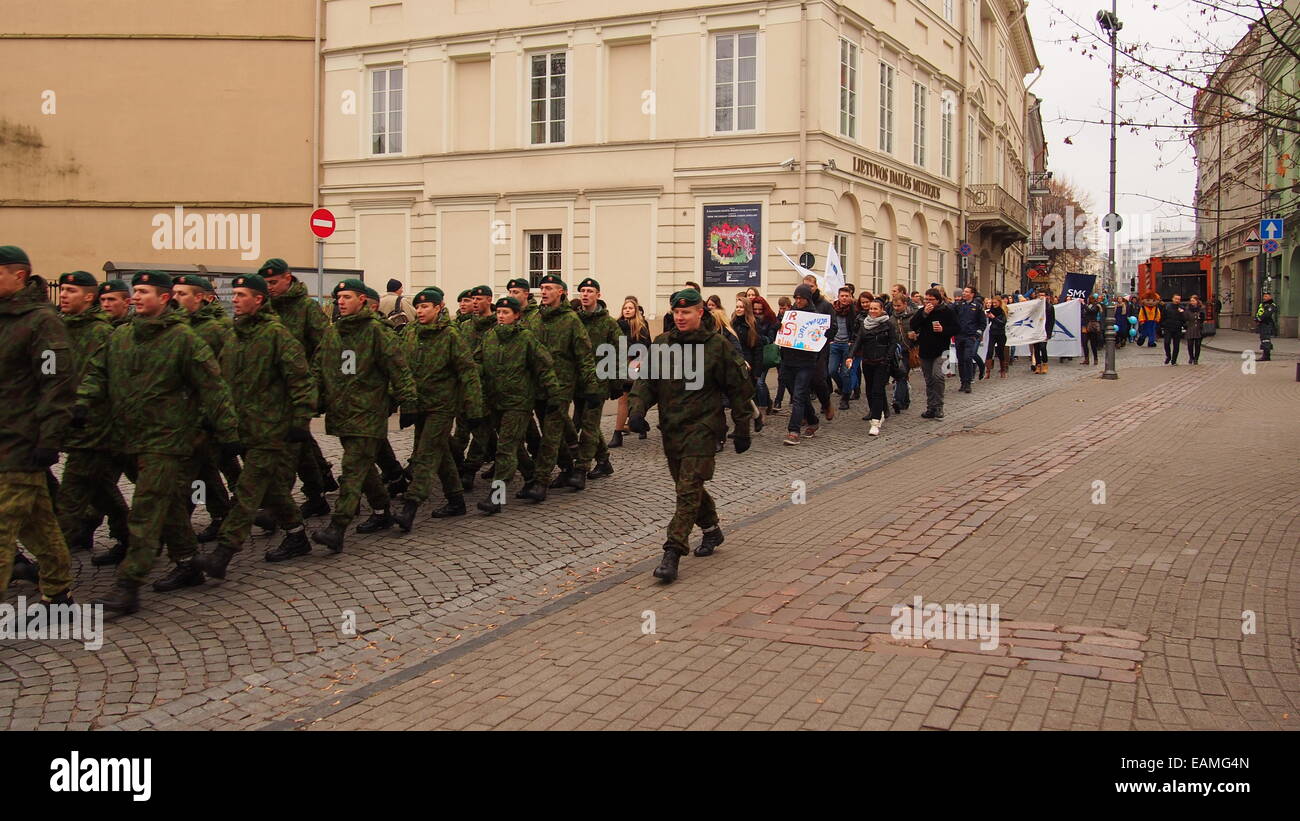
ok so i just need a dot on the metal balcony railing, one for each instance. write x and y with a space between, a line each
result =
992 201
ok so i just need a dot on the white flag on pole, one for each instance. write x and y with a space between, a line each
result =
821 285
834 272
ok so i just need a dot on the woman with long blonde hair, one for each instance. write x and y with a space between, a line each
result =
632 324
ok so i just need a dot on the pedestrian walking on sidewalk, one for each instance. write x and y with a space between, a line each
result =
997 316
1195 328
1173 319
901 314
1092 329
876 348
1266 325
631 324
1040 348
931 328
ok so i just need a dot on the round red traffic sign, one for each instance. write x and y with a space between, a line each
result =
322 222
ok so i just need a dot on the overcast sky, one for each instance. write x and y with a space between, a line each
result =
1075 87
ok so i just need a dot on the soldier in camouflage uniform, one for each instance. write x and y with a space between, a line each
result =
517 369
564 336
196 296
603 332
360 369
307 322
483 444
446 383
275 398
37 381
530 317
161 383
464 307
84 495
115 301
691 422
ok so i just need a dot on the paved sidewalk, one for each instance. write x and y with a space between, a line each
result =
1227 341
1123 614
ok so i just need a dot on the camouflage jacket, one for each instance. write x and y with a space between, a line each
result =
517 369
602 329
270 380
446 377
531 316
88 331
124 319
690 403
360 368
302 316
477 328
213 327
162 383
37 377
564 336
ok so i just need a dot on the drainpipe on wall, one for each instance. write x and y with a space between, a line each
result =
315 115
803 117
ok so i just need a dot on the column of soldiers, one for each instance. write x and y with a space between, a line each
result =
158 384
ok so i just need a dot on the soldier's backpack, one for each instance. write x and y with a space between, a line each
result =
397 317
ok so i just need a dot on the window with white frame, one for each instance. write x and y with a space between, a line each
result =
878 267
949 10
848 88
841 243
997 163
920 95
386 86
545 255
735 81
945 138
970 148
981 151
548 74
913 266
886 108
943 264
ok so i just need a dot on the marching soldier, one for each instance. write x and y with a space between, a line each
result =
517 369
271 387
446 381
161 380
358 367
115 301
564 336
465 307
603 332
85 496
482 445
520 290
692 422
37 384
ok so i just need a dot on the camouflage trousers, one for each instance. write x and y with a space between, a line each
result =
557 430
694 504
26 513
481 442
89 492
591 442
511 427
265 480
432 455
359 475
209 467
311 468
159 514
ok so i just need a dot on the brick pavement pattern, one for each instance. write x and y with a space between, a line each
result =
480 623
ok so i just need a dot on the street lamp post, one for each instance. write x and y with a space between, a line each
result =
1109 21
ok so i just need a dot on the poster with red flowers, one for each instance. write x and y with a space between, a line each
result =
732 245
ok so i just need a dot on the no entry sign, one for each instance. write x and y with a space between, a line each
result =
322 222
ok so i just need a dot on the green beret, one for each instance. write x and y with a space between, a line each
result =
480 290
273 266
371 293
552 279
252 282
685 298
113 285
13 255
508 302
155 278
78 278
518 282
589 283
465 294
432 294
195 280
351 285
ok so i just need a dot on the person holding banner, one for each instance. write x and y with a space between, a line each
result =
931 328
875 347
799 368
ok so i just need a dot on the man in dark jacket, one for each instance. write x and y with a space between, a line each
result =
932 327
1266 325
1173 321
843 333
971 322
798 369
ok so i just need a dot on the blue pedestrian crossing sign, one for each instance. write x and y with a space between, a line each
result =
1270 229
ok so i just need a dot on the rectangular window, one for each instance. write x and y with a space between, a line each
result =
913 266
841 243
544 256
878 267
848 89
997 164
886 108
735 82
970 148
945 137
386 111
547 97
943 264
919 98
949 10
981 169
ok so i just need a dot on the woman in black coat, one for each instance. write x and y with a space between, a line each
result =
631 324
997 314
875 349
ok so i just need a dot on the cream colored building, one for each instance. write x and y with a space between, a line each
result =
115 115
479 140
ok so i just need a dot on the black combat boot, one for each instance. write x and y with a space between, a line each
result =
379 520
123 599
667 569
616 441
58 598
209 533
331 537
25 570
114 555
214 564
455 507
296 544
561 480
712 538
314 506
488 506
577 478
405 515
184 574
601 470
488 469
535 491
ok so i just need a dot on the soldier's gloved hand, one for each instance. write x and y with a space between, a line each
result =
407 418
231 449
79 416
741 443
298 435
44 457
638 424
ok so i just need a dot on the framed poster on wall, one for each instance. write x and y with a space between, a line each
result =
732 245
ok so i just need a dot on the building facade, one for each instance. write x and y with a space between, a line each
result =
1281 78
651 142
173 134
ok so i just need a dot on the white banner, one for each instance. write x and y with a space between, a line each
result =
1066 337
803 330
834 272
950 365
1026 322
